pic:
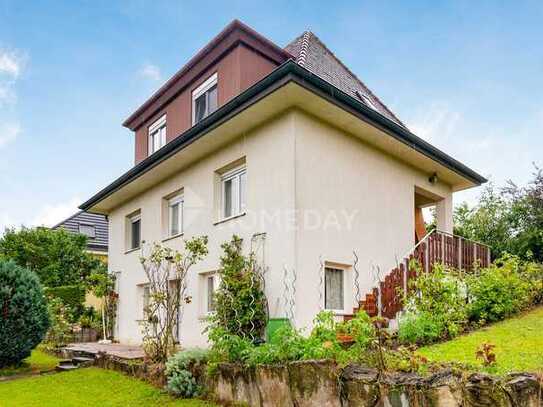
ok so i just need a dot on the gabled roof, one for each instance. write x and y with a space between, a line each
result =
100 223
312 54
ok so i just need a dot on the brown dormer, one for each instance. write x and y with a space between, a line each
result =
233 61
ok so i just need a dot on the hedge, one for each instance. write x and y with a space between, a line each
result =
71 295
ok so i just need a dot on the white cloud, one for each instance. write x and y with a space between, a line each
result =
11 63
9 132
150 71
50 215
11 66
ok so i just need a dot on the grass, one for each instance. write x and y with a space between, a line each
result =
87 387
518 341
37 362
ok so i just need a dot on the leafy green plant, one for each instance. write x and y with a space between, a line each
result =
240 303
440 298
498 291
23 313
289 344
420 328
180 380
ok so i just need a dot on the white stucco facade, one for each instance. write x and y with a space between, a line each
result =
316 192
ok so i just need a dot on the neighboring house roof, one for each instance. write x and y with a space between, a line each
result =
312 54
289 71
89 222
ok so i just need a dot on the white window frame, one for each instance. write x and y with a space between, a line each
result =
344 274
131 220
240 197
84 225
158 128
200 90
174 200
216 282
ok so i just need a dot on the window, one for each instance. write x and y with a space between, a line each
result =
87 230
175 215
157 135
146 297
366 99
211 283
234 191
333 288
134 223
204 99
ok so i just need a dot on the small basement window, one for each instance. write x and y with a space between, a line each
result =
87 230
157 135
334 289
204 99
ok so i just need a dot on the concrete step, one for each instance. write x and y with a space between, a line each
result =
83 361
66 367
65 362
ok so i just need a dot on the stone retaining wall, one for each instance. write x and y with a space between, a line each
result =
323 383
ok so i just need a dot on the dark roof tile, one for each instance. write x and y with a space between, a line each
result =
312 54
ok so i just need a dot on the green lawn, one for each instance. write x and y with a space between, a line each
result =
86 387
37 362
519 345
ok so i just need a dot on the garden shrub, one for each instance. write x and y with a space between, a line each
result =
60 330
289 344
181 381
420 328
440 298
23 313
499 291
72 296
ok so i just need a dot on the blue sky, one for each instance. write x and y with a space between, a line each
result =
465 75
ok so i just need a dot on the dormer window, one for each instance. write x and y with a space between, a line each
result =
87 230
204 99
157 135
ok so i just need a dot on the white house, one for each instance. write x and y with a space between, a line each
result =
288 149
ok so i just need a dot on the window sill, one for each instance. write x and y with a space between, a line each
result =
239 215
172 237
132 250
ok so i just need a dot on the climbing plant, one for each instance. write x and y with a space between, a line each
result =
240 302
166 271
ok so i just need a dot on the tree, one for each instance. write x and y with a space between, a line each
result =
509 219
166 271
23 313
58 258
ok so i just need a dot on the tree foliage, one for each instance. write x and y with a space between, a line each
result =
58 258
23 313
509 219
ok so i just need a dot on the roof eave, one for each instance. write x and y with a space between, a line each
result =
288 71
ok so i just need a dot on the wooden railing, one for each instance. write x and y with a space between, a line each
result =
436 247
